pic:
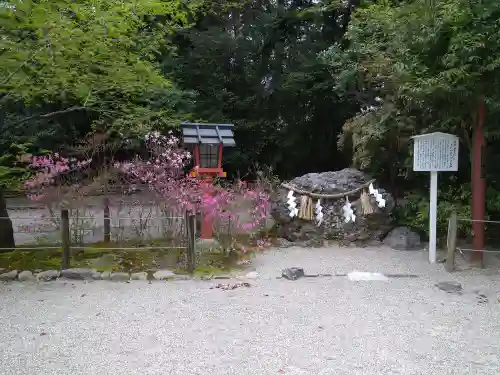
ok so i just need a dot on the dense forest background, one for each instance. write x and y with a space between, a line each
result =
311 85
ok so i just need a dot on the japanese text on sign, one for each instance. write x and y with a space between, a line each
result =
435 153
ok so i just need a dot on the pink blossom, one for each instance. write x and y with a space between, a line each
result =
163 172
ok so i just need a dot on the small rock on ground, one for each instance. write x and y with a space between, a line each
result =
163 275
293 273
450 286
8 276
25 276
139 276
96 275
48 275
77 273
106 275
284 243
120 276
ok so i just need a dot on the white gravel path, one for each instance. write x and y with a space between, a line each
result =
309 326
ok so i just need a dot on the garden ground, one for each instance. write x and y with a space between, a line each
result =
324 325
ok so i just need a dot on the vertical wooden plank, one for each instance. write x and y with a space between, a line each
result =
190 234
451 243
107 221
65 239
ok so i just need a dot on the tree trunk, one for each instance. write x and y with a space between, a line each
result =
6 229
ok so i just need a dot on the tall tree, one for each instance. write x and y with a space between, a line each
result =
256 64
413 67
69 66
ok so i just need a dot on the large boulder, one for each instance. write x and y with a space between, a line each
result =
333 187
403 238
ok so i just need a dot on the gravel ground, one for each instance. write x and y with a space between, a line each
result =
310 326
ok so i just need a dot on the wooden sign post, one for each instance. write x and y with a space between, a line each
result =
434 152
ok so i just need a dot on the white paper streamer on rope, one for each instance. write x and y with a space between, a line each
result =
348 212
292 204
319 213
378 196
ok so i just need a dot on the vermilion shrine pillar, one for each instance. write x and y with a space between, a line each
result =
478 187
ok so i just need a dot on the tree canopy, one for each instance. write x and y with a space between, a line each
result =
311 85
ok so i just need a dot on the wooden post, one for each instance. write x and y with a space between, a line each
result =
65 239
190 250
451 242
107 221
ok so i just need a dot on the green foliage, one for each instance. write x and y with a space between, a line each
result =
65 50
416 67
311 85
255 64
415 212
69 67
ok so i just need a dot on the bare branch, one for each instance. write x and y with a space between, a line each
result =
9 77
55 113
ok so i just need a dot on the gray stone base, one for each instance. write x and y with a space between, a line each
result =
91 274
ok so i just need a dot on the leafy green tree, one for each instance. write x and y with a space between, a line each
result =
97 57
255 63
413 67
69 67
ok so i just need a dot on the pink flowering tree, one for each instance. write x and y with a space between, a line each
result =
163 171
52 180
58 179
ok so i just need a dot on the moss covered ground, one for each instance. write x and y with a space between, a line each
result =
105 257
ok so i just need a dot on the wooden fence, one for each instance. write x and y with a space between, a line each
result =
68 234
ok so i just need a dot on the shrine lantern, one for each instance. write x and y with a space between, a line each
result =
206 142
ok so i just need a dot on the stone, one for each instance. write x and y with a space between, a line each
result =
139 276
403 238
48 275
367 227
293 273
8 276
96 275
331 182
106 275
450 286
283 243
120 276
164 275
252 275
77 273
313 242
2 270
268 224
25 276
